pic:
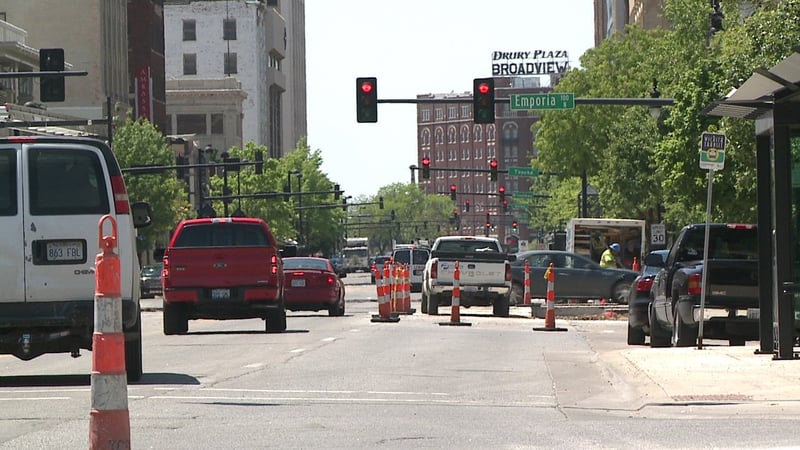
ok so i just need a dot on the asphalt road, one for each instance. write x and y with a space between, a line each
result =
347 382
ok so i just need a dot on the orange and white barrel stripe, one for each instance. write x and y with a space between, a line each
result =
109 421
455 307
550 315
527 294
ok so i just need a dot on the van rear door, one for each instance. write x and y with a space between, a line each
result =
11 253
65 193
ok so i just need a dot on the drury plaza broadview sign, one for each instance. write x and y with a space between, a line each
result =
533 62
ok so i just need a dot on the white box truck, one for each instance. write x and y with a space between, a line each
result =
591 236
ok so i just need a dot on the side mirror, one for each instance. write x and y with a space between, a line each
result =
141 213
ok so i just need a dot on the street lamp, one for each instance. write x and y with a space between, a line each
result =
655 111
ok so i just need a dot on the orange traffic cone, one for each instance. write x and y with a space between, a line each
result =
635 265
455 305
527 299
550 315
384 306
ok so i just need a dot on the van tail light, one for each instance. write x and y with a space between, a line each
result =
121 204
644 285
508 271
435 270
165 270
695 284
273 265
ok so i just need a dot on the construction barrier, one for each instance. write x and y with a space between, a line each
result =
635 267
527 296
550 315
109 421
455 304
385 313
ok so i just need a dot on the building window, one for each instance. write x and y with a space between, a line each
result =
465 111
217 122
230 63
229 29
189 27
189 64
274 62
426 115
465 134
191 124
451 112
439 114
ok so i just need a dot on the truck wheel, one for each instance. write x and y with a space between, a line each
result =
133 352
619 293
423 304
175 320
500 306
276 320
659 337
635 336
683 334
433 305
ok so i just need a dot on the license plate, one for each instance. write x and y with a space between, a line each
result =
65 251
220 294
298 282
470 289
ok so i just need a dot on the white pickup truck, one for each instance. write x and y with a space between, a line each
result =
484 274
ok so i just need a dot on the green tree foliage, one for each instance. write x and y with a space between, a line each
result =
139 143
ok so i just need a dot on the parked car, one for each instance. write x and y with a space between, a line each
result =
639 298
150 280
576 277
313 284
379 261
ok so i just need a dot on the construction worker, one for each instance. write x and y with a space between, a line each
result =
610 258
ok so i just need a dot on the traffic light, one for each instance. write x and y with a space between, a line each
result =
456 223
336 192
493 170
380 203
51 88
287 190
483 100
426 168
505 205
502 191
488 225
514 226
344 204
452 192
466 205
367 100
182 172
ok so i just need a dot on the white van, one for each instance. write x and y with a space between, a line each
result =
53 192
416 257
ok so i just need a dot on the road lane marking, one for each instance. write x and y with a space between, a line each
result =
329 339
297 350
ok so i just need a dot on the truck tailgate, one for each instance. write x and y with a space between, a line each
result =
218 267
473 273
733 282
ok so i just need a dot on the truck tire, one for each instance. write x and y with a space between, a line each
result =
659 337
619 293
175 320
500 306
133 352
423 304
433 305
683 334
276 320
517 294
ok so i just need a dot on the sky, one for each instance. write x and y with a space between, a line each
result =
419 47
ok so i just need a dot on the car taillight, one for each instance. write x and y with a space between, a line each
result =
695 284
165 270
274 264
330 280
508 272
644 285
435 270
121 205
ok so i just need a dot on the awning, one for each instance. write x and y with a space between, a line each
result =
763 90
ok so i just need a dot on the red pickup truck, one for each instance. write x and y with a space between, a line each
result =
223 268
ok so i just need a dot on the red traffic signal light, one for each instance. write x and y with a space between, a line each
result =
502 191
493 170
483 100
514 225
466 205
453 191
426 168
505 205
367 100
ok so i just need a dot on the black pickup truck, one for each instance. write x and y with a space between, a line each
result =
731 300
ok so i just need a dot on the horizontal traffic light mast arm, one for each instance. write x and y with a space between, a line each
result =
51 123
144 170
52 73
458 169
578 101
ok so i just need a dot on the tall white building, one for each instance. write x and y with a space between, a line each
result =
247 40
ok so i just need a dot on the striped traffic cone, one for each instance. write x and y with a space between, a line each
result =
635 267
527 297
550 315
455 305
384 303
109 421
405 303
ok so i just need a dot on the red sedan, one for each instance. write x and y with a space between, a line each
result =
312 284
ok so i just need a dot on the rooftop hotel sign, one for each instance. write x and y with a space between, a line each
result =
534 62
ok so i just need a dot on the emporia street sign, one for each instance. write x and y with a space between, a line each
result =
526 102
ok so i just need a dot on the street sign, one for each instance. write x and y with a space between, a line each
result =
713 140
523 172
712 151
526 102
658 234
